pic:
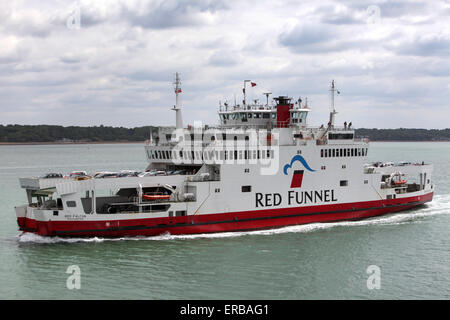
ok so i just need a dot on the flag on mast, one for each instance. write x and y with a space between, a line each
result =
253 84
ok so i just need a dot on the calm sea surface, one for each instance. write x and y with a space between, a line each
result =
318 261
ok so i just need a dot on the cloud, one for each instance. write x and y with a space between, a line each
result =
424 45
119 64
306 38
224 58
150 14
341 15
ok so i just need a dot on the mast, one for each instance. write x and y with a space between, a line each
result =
245 82
177 107
332 109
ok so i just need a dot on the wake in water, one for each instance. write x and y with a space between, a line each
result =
439 206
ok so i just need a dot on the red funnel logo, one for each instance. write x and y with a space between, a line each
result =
297 179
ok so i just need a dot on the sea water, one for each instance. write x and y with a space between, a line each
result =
410 251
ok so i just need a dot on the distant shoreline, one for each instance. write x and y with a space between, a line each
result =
143 142
50 134
409 140
65 143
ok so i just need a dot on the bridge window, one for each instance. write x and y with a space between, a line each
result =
340 136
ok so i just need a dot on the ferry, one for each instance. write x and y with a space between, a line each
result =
263 166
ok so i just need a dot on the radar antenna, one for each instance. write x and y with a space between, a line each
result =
267 94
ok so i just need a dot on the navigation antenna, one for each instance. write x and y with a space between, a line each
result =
332 109
267 94
177 107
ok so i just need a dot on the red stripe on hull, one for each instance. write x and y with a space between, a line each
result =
222 222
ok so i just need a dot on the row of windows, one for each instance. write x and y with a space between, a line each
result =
243 116
211 155
343 152
247 154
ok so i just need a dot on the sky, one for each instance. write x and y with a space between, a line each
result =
112 63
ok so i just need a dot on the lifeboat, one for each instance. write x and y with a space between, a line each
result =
399 182
155 196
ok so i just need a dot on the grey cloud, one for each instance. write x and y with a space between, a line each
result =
155 14
224 58
172 14
331 15
306 34
430 45
395 9
319 39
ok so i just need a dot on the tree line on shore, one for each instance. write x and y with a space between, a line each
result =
403 134
50 133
